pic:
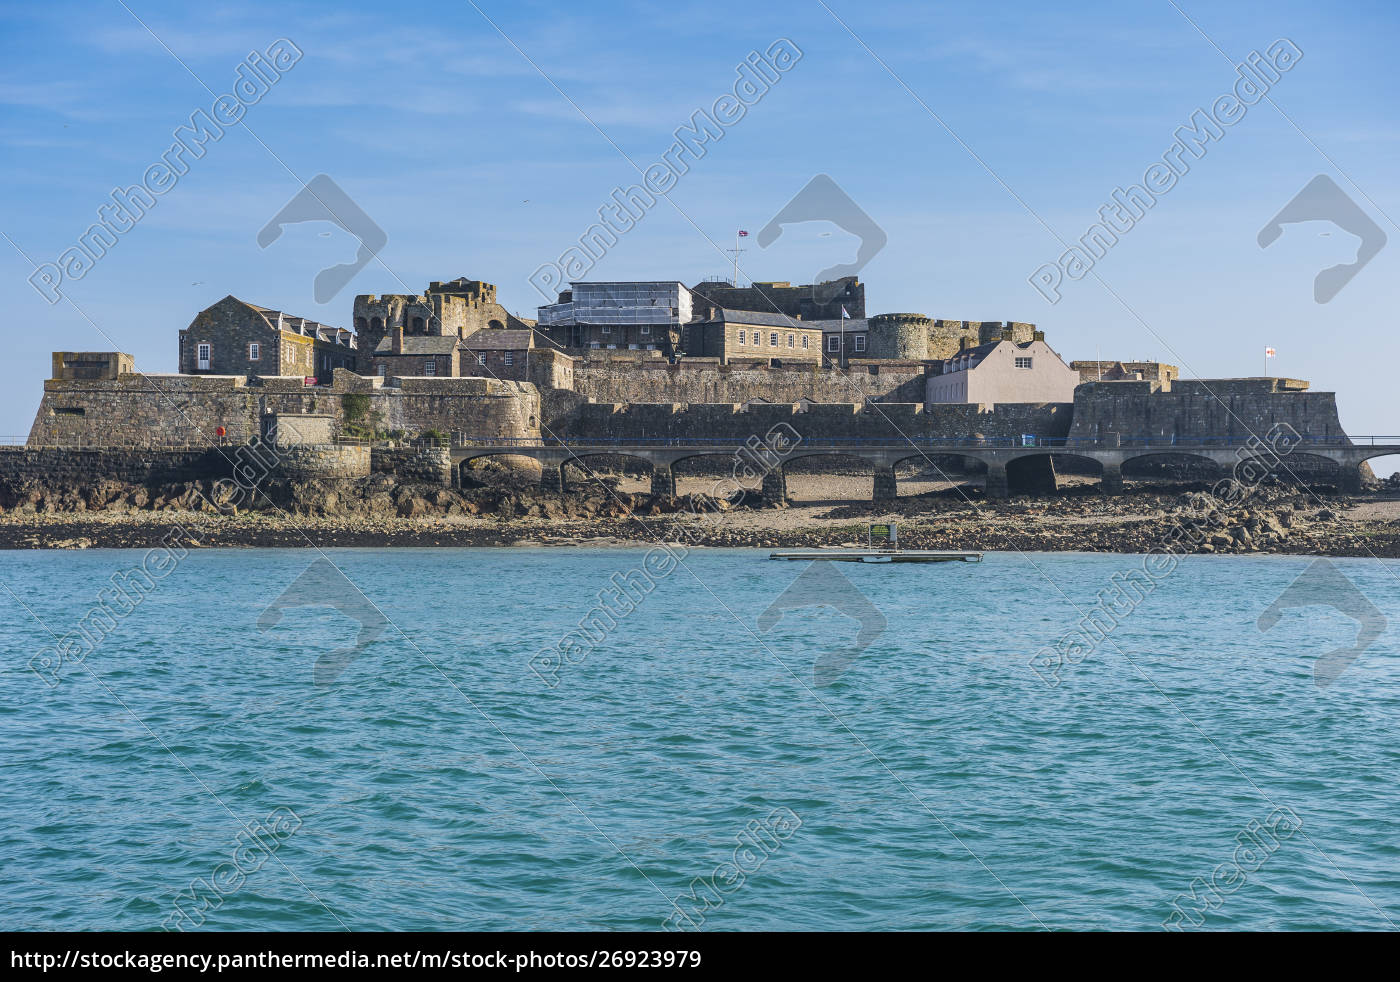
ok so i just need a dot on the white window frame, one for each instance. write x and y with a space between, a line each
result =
646 329
804 342
772 339
481 359
508 359
254 351
204 355
792 341
833 344
743 337
430 366
1024 361
383 369
605 329
859 343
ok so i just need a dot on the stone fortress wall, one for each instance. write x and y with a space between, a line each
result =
875 422
135 410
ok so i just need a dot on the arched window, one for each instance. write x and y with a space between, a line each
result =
359 324
495 325
418 325
376 325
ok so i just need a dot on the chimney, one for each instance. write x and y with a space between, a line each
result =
1037 335
398 339
1008 335
964 342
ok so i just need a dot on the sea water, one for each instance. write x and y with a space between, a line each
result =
492 739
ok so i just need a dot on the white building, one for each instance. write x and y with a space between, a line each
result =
1003 371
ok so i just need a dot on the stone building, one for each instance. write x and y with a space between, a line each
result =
807 301
1125 371
1003 371
458 309
234 337
498 354
911 337
400 355
76 365
749 335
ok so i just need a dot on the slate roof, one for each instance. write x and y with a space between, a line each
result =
419 345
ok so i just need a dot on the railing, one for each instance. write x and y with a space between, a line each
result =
461 441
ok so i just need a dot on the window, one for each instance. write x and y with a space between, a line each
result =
418 325
509 358
860 342
773 339
792 342
646 329
743 337
481 359
1023 363
430 366
606 329
383 369
833 344
254 351
204 353
804 342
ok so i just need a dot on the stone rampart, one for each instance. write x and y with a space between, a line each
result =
816 421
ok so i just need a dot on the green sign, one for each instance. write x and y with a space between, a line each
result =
884 535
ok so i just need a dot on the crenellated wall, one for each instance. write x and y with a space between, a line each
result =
695 380
832 421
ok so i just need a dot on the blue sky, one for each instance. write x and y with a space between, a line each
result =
474 164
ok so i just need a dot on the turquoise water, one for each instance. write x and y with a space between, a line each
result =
438 783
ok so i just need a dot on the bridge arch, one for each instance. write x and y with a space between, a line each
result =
1172 465
1383 465
635 471
720 473
939 473
820 474
498 468
1314 470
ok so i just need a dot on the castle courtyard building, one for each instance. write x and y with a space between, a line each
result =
743 335
234 337
1003 371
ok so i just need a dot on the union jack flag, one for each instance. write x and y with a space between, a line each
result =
743 233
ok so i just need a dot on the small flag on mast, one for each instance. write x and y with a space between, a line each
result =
844 316
1269 352
743 233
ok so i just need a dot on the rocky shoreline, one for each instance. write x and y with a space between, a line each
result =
377 512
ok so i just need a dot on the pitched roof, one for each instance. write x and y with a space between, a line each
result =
499 340
757 318
279 320
419 345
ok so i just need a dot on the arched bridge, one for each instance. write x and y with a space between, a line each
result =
1011 466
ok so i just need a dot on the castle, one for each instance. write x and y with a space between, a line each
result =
643 361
